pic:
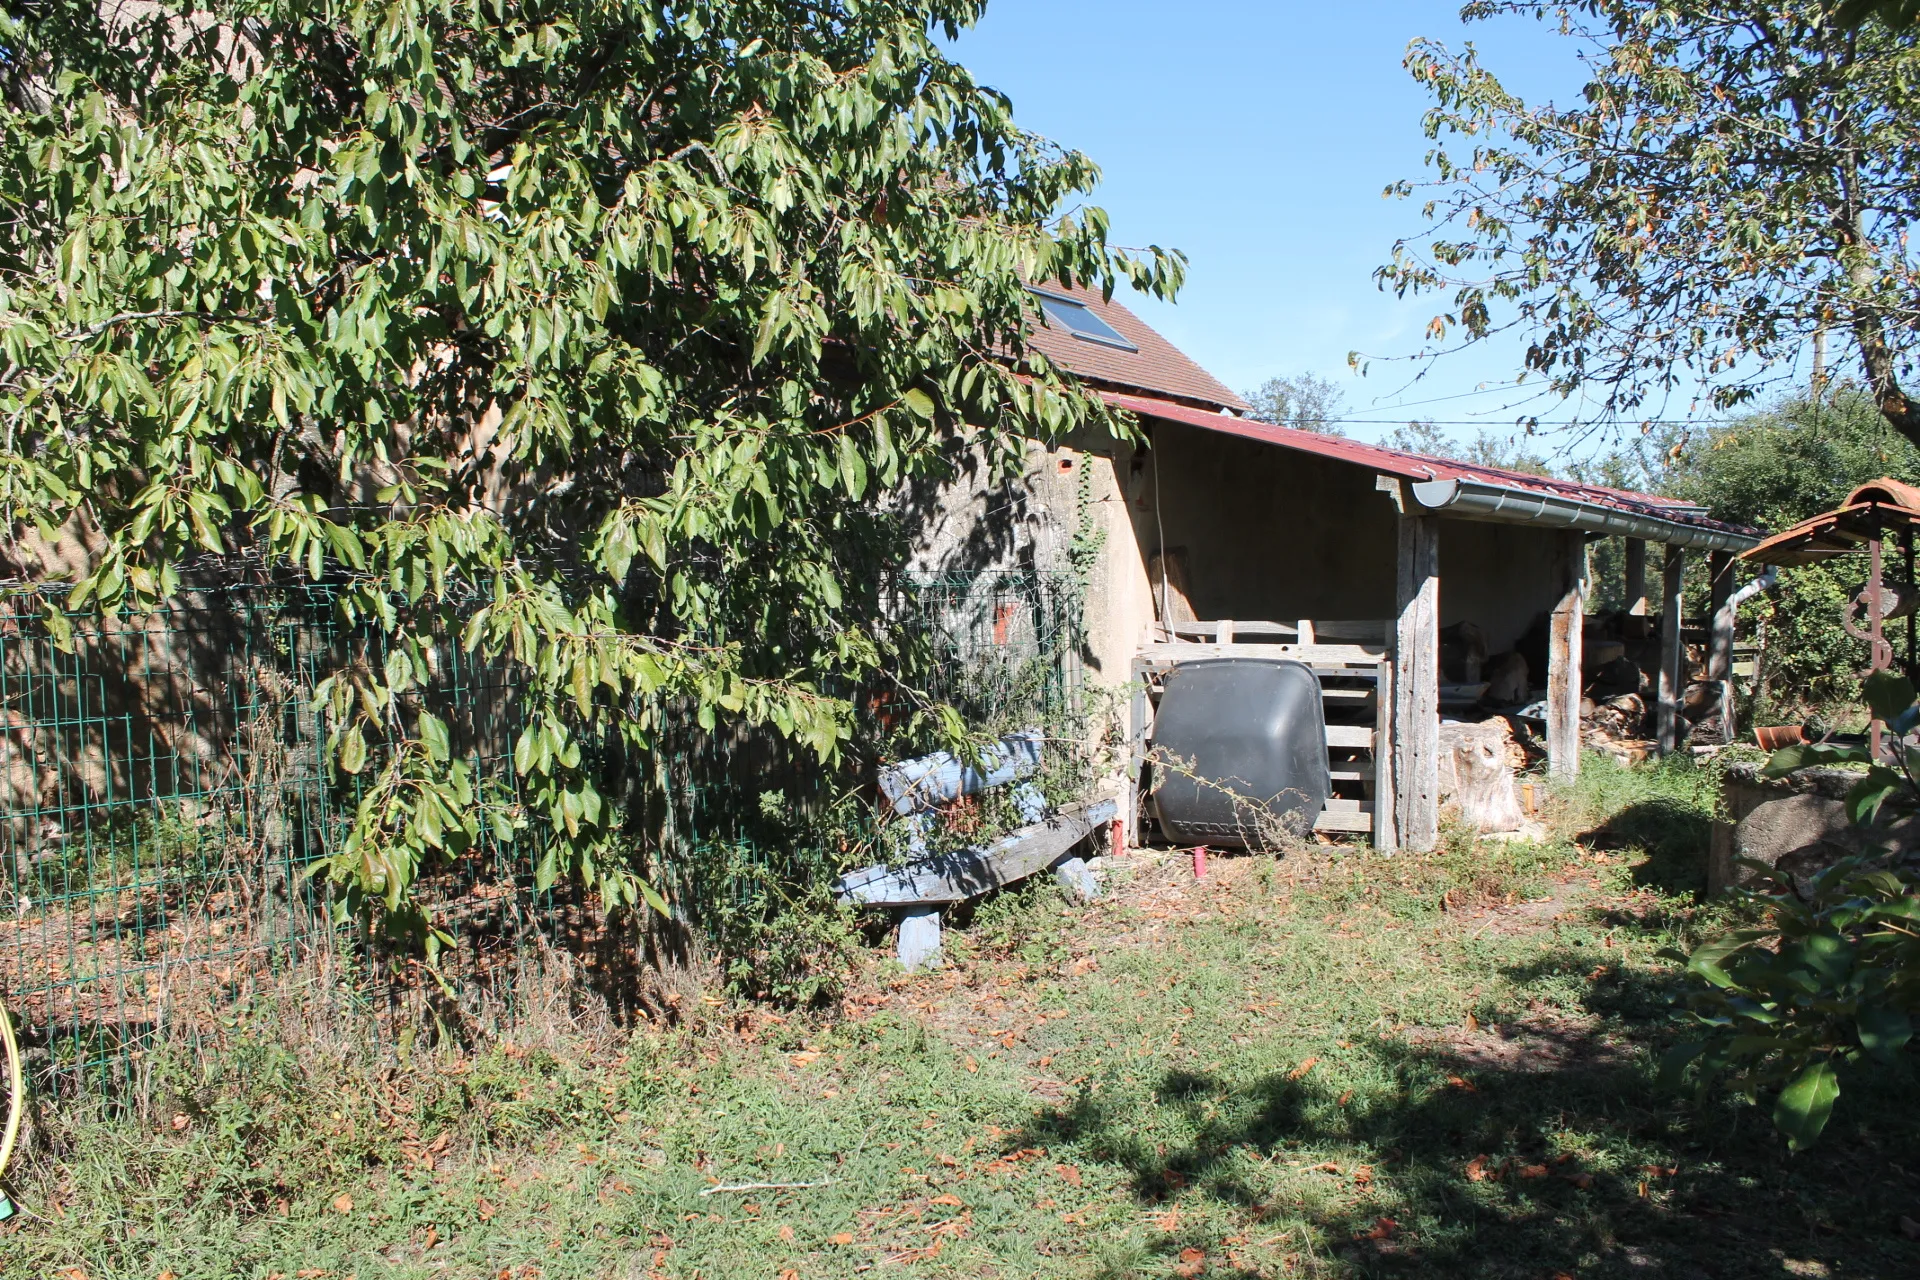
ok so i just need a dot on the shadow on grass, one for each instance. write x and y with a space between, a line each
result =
1537 1157
1675 834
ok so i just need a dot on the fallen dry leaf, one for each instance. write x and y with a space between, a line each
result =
1477 1169
1344 1099
1462 1083
485 1208
343 1203
1383 1229
842 1237
1302 1069
1328 1167
181 1123
1580 1178
951 1201
970 1064
1192 1262
1068 1172
785 1232
433 1238
1533 1171
1363 1175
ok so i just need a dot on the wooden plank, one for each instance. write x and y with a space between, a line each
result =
1139 722
1667 713
1210 630
1564 657
1328 655
1416 683
1349 815
1386 834
1351 770
1350 735
967 873
1720 636
1346 696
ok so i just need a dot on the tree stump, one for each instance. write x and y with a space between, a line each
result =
1476 776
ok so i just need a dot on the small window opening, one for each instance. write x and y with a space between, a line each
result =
1078 319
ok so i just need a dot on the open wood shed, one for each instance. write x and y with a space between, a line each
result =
1220 535
1351 556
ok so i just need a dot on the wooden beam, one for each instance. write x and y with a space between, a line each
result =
1386 826
1416 683
1139 727
1720 628
1636 584
1564 657
1672 673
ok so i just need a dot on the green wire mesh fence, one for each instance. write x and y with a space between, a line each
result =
163 789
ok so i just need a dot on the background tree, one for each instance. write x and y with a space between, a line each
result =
1306 401
583 332
1736 177
1774 469
1510 452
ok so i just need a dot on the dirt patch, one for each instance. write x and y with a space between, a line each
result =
1537 1043
1564 900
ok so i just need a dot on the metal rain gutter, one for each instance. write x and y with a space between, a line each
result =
1478 500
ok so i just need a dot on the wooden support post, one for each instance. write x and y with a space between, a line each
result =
1139 725
1672 654
1386 826
1564 659
1636 583
1416 684
1721 614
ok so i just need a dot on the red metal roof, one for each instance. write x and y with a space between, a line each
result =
1416 466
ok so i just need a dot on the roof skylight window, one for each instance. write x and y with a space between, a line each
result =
1078 319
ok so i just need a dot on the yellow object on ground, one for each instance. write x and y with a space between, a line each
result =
16 1103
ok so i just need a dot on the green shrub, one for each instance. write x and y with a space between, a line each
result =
1830 977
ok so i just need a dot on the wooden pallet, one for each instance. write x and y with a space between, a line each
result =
1355 664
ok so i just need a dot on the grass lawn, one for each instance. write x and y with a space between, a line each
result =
1332 1064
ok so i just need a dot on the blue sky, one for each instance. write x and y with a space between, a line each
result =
1257 137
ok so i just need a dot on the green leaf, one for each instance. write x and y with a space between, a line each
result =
1789 759
853 468
433 734
919 404
1867 796
1806 1104
353 751
1884 1030
547 872
1887 694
